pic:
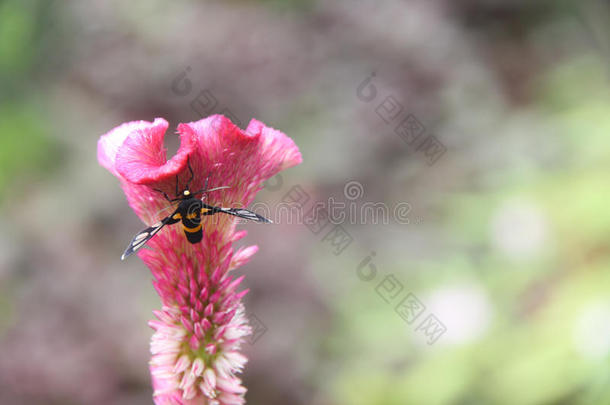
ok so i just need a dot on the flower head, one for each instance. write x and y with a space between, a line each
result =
199 330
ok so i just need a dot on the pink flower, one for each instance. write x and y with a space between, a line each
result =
199 330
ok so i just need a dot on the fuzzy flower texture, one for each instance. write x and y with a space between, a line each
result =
198 332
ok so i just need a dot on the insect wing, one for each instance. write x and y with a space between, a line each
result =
242 213
141 238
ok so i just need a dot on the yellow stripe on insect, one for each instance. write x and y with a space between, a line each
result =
192 230
192 215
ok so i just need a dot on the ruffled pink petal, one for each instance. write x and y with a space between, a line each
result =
279 145
134 153
239 159
109 144
142 157
217 150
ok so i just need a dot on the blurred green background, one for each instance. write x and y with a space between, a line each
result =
506 243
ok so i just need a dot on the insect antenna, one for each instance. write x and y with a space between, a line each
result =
188 163
165 209
205 189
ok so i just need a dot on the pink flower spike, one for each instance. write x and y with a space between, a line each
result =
201 326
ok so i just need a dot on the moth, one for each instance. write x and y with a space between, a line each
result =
190 209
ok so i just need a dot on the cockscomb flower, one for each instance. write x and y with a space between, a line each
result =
198 332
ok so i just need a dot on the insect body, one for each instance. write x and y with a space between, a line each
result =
190 210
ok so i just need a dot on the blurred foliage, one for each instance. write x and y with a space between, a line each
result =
30 44
283 5
25 145
16 31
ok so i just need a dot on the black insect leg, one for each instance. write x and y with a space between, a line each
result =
164 194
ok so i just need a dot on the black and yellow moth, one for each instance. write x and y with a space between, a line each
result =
190 210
